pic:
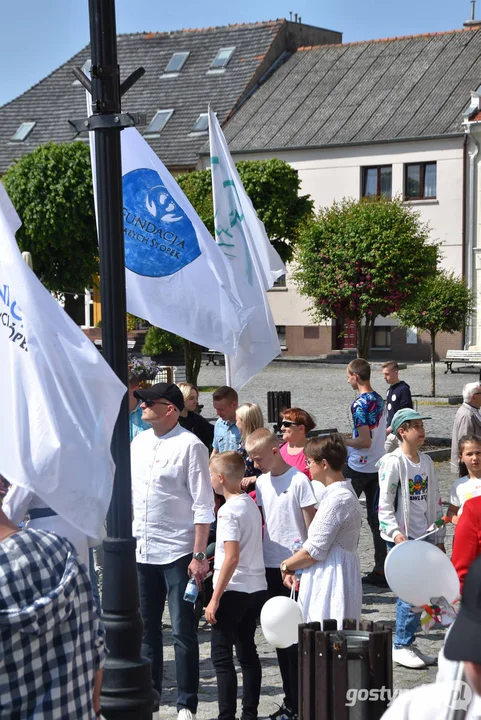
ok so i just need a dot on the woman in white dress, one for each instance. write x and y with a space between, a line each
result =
330 586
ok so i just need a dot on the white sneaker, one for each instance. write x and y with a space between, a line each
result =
185 714
407 657
427 659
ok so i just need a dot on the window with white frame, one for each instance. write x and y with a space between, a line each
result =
201 125
222 58
176 62
158 122
23 131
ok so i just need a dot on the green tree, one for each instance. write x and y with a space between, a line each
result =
273 187
51 189
442 303
158 341
360 259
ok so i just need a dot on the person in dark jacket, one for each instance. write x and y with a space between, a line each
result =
398 397
191 420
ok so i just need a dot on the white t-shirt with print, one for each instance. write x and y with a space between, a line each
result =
462 489
418 493
239 520
282 498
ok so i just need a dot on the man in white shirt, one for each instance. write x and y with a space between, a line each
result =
173 508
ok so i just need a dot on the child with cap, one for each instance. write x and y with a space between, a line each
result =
239 588
409 502
447 699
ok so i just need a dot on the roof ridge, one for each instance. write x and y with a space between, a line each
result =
389 39
232 26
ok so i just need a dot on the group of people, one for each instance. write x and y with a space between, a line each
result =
286 517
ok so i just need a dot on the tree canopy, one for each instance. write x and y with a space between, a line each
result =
442 303
273 187
360 259
51 189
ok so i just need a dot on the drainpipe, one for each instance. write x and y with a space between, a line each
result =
473 153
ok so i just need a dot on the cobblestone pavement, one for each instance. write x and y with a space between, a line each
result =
323 391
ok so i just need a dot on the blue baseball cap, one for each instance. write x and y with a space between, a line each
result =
402 416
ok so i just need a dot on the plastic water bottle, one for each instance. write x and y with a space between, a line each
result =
191 591
297 546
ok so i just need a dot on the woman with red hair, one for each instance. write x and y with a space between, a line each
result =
295 425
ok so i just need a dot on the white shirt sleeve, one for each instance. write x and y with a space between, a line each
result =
228 524
324 529
453 494
304 491
16 503
200 489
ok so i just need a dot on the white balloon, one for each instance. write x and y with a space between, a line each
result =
280 618
319 491
419 571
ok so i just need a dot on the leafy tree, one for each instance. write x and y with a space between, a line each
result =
442 303
51 189
272 185
361 259
158 341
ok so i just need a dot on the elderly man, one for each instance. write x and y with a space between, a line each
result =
173 509
467 420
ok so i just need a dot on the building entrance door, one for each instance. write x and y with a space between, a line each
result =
346 335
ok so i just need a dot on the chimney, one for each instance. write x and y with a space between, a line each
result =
473 24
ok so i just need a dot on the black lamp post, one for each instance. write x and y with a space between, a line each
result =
127 687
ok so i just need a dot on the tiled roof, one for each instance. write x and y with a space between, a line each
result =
54 100
363 92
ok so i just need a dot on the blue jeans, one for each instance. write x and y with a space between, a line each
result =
156 583
407 622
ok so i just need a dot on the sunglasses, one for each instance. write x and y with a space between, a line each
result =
288 423
149 403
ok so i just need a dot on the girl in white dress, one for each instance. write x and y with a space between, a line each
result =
330 586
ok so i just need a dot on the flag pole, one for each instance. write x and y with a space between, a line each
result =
126 691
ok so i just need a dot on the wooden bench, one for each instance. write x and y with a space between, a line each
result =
466 357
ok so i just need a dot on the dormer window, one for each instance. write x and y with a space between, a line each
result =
23 131
158 122
176 62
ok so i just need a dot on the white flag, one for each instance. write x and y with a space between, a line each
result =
176 276
59 398
254 262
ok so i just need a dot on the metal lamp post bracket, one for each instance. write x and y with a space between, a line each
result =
104 122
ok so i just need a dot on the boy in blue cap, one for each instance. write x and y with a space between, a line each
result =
409 502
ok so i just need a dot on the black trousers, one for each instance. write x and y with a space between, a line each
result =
236 626
286 657
368 483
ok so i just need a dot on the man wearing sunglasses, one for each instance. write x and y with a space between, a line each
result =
173 508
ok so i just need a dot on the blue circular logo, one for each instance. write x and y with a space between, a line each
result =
159 237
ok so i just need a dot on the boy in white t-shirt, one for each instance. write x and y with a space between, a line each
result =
288 503
239 588
409 502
